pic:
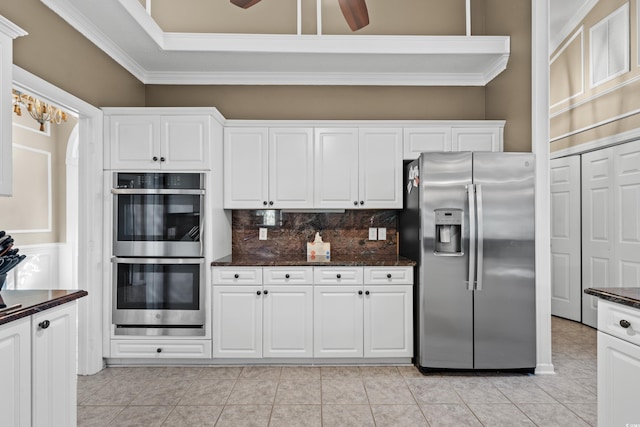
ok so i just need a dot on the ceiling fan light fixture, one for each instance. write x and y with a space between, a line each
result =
355 12
244 3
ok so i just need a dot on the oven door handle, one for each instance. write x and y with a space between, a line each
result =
118 260
163 191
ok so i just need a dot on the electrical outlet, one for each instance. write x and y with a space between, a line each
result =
382 233
263 234
373 233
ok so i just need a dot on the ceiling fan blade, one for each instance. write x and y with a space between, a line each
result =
355 12
244 3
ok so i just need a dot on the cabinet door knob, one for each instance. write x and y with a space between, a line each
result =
162 159
625 324
158 350
236 275
270 203
266 292
355 203
388 275
286 276
259 292
264 203
366 292
155 159
362 202
338 276
44 324
359 292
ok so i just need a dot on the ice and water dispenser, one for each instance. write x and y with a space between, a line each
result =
448 239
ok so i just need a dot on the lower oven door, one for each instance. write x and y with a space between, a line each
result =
158 293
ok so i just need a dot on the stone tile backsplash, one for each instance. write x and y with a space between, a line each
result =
289 232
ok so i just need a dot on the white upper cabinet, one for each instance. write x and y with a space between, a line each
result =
358 168
246 168
158 142
380 152
185 142
336 168
291 167
453 136
476 139
418 140
268 168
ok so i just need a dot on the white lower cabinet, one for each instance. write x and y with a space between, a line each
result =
15 371
338 320
618 364
320 312
54 367
161 349
273 319
237 321
388 321
38 369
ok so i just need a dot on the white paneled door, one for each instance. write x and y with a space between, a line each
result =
566 289
597 227
626 214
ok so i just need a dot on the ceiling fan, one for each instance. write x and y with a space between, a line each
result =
354 11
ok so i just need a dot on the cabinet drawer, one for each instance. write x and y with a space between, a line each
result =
388 275
288 275
237 276
161 349
338 275
610 317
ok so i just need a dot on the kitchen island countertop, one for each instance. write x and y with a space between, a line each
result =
625 296
34 301
301 261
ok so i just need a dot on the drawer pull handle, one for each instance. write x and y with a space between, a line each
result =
236 275
338 276
625 324
259 292
388 275
286 276
44 324
359 292
158 350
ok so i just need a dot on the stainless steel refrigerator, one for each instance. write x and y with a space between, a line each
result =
468 220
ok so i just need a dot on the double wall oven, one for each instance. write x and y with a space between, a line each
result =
158 263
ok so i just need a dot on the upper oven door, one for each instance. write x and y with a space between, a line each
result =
157 222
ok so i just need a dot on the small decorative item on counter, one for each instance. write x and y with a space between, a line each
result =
318 251
9 257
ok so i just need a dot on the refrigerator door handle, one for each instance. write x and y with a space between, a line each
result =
472 236
480 238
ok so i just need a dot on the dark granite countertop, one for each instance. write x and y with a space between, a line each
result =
293 261
34 301
624 296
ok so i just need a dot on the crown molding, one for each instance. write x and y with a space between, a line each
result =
10 29
571 25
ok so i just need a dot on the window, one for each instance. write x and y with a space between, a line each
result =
609 41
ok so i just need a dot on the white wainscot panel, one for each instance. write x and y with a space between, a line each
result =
41 269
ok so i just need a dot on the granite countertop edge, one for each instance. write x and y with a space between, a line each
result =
624 296
35 301
374 261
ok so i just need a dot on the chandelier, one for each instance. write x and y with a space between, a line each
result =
39 110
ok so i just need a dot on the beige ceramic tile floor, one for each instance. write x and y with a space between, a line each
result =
348 396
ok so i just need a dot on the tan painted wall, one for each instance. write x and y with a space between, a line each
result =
57 53
28 208
592 113
508 96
